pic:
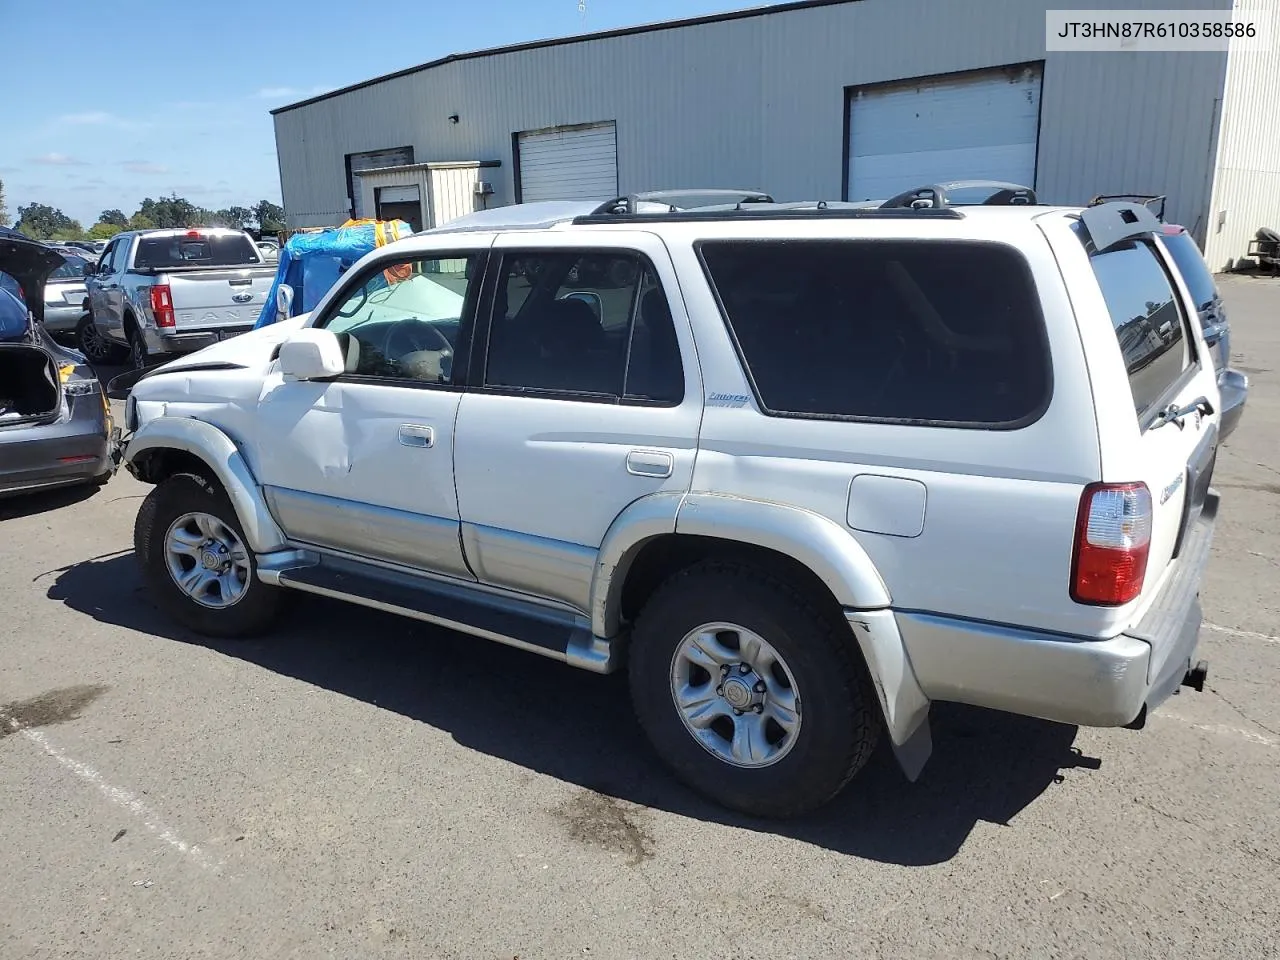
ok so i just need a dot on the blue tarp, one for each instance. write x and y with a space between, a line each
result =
311 263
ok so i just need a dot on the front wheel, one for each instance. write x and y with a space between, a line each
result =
96 348
197 563
137 347
752 695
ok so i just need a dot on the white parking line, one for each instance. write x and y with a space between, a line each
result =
125 799
1224 730
1247 634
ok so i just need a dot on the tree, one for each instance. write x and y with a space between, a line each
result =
236 216
114 217
270 216
105 231
43 222
4 211
140 221
174 211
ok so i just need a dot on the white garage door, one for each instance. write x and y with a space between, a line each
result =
569 163
976 126
373 160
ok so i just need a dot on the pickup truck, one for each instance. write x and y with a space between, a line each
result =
157 292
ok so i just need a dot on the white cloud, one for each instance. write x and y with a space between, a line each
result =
57 160
144 166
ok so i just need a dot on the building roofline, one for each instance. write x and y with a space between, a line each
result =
763 11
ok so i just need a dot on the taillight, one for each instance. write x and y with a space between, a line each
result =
162 306
1113 538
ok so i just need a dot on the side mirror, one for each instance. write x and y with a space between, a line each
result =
284 302
311 354
90 268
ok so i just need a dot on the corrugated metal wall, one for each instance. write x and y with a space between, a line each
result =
1246 194
760 102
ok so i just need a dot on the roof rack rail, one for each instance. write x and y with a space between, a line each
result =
1146 199
631 203
1111 223
937 195
765 210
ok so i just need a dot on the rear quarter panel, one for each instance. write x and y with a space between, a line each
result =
999 505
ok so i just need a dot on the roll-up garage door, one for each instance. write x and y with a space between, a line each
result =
972 126
569 163
372 160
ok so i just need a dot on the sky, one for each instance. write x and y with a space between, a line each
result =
102 104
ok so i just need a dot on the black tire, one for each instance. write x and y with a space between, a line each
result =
138 355
183 493
96 348
840 723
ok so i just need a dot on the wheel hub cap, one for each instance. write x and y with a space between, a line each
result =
735 695
207 560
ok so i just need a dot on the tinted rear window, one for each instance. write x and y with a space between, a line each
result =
72 267
919 331
1146 318
1195 272
204 250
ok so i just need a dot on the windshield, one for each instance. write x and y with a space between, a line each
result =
196 249
71 269
1195 272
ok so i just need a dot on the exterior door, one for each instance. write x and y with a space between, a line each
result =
364 463
108 306
568 163
578 405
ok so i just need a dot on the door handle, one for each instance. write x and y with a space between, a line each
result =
417 435
650 463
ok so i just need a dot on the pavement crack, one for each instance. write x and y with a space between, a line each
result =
1244 716
1165 813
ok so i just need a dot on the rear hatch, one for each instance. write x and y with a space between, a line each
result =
214 281
65 286
1156 406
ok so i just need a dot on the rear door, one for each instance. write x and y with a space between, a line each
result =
1147 359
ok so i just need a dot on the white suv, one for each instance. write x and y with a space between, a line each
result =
802 468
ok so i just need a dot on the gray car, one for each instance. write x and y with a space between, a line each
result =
55 423
64 294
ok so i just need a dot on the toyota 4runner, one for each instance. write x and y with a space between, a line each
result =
802 468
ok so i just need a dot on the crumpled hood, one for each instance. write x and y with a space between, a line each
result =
29 263
250 349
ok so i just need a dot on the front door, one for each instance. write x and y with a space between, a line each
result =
578 405
364 464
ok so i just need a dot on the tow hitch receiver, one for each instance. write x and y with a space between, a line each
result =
1196 676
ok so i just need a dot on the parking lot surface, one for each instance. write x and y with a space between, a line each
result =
364 786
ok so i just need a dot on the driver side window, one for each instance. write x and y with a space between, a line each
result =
403 322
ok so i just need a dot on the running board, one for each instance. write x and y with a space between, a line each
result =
509 620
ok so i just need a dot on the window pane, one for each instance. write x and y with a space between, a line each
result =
403 322
1144 312
937 331
654 370
562 322
211 250
1195 272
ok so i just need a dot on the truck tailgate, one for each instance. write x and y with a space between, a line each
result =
208 299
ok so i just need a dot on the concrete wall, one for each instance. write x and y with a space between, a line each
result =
1246 192
759 102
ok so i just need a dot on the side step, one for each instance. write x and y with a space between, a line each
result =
502 618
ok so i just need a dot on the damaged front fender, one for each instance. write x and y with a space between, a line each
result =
224 460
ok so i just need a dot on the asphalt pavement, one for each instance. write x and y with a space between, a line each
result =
362 786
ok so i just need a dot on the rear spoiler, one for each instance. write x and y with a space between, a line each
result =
1146 199
1113 222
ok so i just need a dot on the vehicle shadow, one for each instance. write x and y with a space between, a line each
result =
30 504
578 727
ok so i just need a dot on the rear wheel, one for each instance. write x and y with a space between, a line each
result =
97 348
752 695
138 355
197 563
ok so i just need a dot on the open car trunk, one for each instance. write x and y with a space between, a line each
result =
29 385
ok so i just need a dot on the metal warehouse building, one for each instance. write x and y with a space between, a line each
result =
834 99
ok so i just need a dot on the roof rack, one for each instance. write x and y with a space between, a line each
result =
937 195
656 199
767 210
1146 199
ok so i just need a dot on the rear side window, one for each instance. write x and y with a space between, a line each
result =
196 250
1195 272
929 332
1147 319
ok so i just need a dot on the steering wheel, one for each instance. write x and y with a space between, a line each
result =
416 343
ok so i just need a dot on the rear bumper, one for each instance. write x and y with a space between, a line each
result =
189 341
62 318
1093 683
1233 388
73 450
